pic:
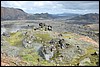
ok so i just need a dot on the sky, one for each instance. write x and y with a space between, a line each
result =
54 7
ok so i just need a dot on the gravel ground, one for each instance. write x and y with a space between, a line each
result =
58 26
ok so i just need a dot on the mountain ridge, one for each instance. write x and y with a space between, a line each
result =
91 17
19 14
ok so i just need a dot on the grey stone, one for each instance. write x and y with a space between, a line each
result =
82 63
7 34
26 43
11 51
3 30
47 54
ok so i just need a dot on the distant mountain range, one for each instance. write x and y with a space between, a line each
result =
19 14
90 17
64 15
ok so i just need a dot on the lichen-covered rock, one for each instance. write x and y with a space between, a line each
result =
6 34
3 30
84 62
37 46
11 51
26 43
46 53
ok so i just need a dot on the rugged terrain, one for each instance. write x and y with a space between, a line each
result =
49 40
18 14
52 43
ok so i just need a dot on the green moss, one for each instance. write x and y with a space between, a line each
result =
90 50
66 32
89 64
67 36
93 59
46 63
32 57
43 37
15 38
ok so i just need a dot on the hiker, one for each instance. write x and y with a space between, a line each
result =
50 28
41 25
52 41
44 49
61 42
59 35
67 45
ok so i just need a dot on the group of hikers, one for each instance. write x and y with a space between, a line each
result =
43 26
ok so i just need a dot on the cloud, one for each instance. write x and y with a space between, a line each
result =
54 6
81 5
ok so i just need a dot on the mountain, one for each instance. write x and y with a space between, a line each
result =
64 15
67 14
18 14
43 16
90 17
12 13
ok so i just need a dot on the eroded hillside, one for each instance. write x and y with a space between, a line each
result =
41 46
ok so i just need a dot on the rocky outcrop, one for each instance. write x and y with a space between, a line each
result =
27 44
46 53
3 30
11 51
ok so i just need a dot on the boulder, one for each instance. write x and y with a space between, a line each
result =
45 53
3 30
4 42
11 51
26 43
36 46
95 53
84 62
6 34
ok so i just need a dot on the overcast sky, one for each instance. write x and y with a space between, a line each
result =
54 7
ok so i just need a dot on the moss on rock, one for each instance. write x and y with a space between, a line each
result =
15 38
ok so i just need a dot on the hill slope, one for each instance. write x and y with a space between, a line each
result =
91 17
41 47
12 14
